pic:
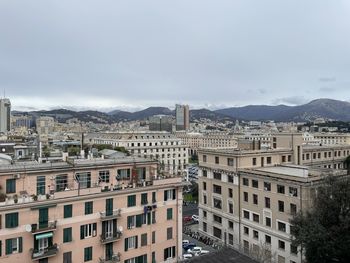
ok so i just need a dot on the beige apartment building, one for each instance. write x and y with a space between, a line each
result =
247 197
103 211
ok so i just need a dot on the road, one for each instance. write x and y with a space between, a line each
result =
190 209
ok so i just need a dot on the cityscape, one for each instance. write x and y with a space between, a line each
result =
152 133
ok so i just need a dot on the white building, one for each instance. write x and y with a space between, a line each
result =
5 115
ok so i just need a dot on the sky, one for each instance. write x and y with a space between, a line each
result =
108 54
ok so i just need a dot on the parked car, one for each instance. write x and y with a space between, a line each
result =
197 251
195 218
187 256
188 246
185 241
187 219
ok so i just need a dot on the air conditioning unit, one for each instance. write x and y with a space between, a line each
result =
16 176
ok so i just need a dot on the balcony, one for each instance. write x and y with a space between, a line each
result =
45 253
116 213
41 228
110 237
114 259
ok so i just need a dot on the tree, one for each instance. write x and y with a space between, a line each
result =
324 230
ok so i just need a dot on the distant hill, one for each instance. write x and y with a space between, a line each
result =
320 108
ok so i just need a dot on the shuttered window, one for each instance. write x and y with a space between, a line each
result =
11 220
10 186
89 207
131 200
109 206
67 234
68 211
13 245
169 214
87 254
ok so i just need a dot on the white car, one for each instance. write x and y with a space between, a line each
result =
195 218
185 242
197 251
187 256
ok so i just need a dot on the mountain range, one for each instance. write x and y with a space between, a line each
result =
320 108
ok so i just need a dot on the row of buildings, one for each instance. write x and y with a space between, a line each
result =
248 197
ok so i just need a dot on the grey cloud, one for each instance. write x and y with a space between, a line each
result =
295 100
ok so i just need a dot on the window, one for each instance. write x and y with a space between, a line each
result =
89 207
130 243
40 185
293 209
144 240
84 179
205 173
67 235
88 230
217 160
267 186
230 193
87 254
255 234
10 186
204 199
217 189
267 202
230 161
169 214
217 203
217 219
217 232
67 257
268 221
144 200
229 178
255 199
169 194
283 158
246 181
169 233
267 239
230 224
154 197
123 174
230 239
246 214
245 196
254 161
281 245
256 218
204 226
204 186
153 237
246 231
204 158
280 189
61 182
281 226
289 158
293 249
268 160
230 208
293 191
217 176
67 211
205 214
131 200
11 220
281 206
13 245
103 176
169 253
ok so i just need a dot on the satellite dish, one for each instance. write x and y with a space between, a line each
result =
28 228
120 228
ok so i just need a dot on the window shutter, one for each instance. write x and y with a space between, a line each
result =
126 244
129 222
20 244
8 246
82 235
0 248
165 254
139 220
165 195
136 241
173 252
94 228
148 218
174 194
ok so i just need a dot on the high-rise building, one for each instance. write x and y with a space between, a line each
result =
5 115
182 113
161 123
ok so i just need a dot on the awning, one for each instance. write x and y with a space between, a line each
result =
44 235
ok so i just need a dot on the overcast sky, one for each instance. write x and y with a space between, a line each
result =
133 54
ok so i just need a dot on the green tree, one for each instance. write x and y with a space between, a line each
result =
324 230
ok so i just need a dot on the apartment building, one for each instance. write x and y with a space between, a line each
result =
247 197
182 117
170 151
196 141
102 211
332 138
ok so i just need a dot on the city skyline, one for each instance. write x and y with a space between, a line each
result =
200 53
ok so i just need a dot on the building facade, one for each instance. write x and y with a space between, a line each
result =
182 115
161 123
103 211
5 115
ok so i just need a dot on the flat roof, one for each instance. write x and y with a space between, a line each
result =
299 171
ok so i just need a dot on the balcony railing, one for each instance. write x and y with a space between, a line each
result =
110 214
45 253
110 237
42 227
114 259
